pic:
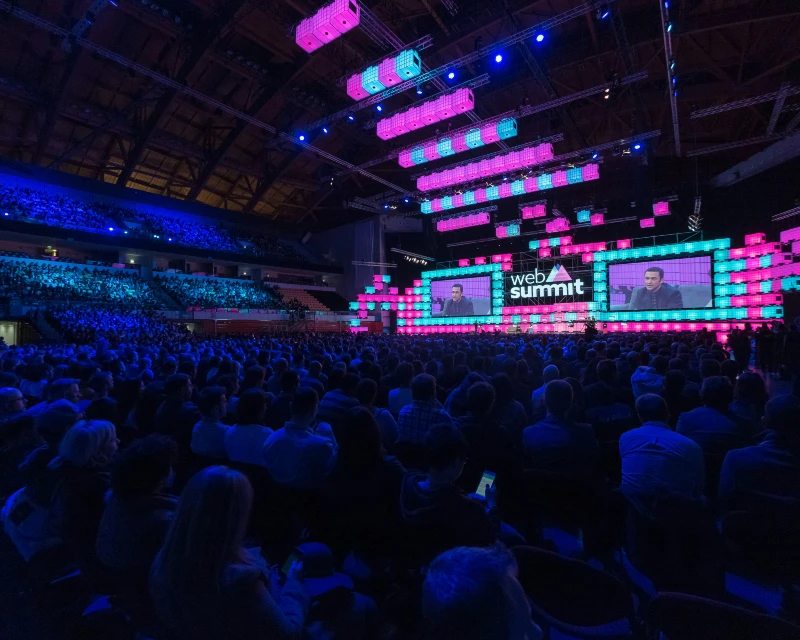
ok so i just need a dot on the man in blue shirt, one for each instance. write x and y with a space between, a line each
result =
656 461
768 474
424 412
712 426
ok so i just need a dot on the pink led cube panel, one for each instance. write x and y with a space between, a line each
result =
796 248
433 111
377 278
790 234
305 38
325 25
597 219
504 190
647 223
405 158
531 185
754 250
464 262
534 211
501 232
590 172
384 129
430 152
545 252
378 286
480 260
559 224
458 200
393 291
387 74
495 165
661 209
355 89
489 133
755 238
480 195
623 244
417 283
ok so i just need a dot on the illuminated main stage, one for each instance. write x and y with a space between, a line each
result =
625 285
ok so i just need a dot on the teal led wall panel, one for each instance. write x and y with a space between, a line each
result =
493 193
545 181
518 188
445 147
473 139
370 82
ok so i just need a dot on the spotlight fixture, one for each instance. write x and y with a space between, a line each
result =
301 137
406 200
324 129
498 58
603 12
113 3
539 37
669 27
595 155
419 91
386 206
451 75
671 64
351 117
379 108
110 228
637 146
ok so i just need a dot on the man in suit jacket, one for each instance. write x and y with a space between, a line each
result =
458 305
656 294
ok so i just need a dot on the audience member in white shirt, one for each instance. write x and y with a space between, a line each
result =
245 440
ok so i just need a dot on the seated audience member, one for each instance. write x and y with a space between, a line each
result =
138 512
12 403
749 399
657 462
302 453
335 405
424 411
51 426
607 389
712 426
65 503
103 409
281 408
177 415
279 366
363 489
557 443
549 374
766 477
208 435
254 378
230 382
474 594
205 585
456 403
730 370
437 514
401 395
62 389
649 379
244 441
366 390
507 411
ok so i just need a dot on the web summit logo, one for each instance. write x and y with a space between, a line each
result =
558 283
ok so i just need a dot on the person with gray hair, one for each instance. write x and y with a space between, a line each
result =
472 593
12 403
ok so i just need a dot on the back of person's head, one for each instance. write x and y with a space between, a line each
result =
676 364
432 368
251 407
709 367
198 547
606 371
335 378
550 373
750 388
673 383
729 369
289 381
652 408
314 368
359 439
716 392
175 385
349 384
101 382
780 414
558 397
366 390
210 402
63 388
304 404
403 374
477 363
102 409
503 389
254 376
472 593
52 423
480 399
89 443
143 467
660 364
423 387
445 446
280 365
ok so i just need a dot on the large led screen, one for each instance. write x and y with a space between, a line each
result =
680 283
461 297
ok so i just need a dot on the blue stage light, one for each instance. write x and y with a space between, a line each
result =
110 228
637 146
604 14
324 129
669 27
406 200
351 118
451 75
379 108
301 138
595 155
539 37
498 58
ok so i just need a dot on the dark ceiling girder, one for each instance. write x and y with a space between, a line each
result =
211 31
267 182
54 104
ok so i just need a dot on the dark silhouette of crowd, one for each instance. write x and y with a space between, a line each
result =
326 486
56 210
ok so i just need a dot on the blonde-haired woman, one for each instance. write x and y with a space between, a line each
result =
203 582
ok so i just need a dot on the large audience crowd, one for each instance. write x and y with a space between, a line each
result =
40 281
212 293
84 324
370 486
54 210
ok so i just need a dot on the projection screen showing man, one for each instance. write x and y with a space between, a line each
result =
461 297
682 283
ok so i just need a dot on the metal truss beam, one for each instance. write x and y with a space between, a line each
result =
268 181
786 214
776 110
734 145
740 104
666 28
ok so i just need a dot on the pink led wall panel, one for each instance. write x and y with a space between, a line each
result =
560 179
463 222
387 73
480 260
545 252
327 24
490 166
661 209
559 224
430 112
590 172
534 211
647 223
754 250
796 248
355 89
761 300
623 244
501 232
790 234
501 257
755 238
463 262
597 219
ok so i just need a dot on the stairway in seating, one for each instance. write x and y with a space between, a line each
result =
303 297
